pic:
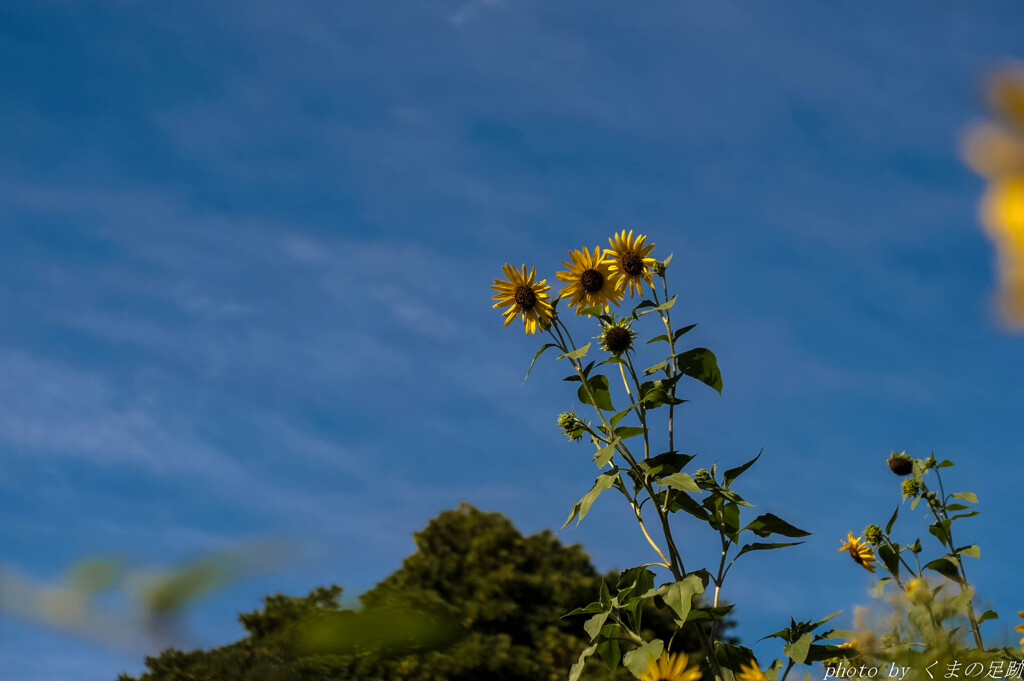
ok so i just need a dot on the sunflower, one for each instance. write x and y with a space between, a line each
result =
860 552
750 672
616 337
590 280
630 262
670 667
1020 627
524 297
996 151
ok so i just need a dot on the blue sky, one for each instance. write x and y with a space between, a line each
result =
245 251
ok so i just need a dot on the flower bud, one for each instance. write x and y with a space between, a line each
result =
571 425
659 268
901 463
873 533
890 640
703 477
911 488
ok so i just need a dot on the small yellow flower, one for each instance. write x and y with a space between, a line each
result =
750 672
524 298
631 264
590 280
849 647
859 551
1020 627
670 667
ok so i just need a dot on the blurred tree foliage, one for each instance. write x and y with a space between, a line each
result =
476 600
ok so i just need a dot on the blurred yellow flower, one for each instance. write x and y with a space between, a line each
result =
1020 627
859 551
918 590
996 151
524 298
590 280
630 262
750 672
671 668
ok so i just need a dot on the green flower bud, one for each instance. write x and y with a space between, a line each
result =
703 477
571 425
901 463
873 533
911 488
659 268
890 640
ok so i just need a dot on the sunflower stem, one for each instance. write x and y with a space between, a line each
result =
964 584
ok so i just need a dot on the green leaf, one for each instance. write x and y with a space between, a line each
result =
608 647
665 464
679 595
945 567
605 454
734 473
988 615
940 529
654 369
890 557
577 669
537 356
892 520
626 432
594 624
681 501
974 551
701 363
680 481
602 398
620 415
969 497
639 659
945 463
578 353
595 311
769 523
634 583
594 607
758 546
662 337
680 332
653 308
709 613
581 507
797 651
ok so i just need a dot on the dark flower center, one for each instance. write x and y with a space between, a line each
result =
900 466
525 298
632 264
591 281
617 339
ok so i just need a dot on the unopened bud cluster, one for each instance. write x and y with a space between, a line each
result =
873 533
911 488
572 425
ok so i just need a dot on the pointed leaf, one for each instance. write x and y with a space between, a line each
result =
701 363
